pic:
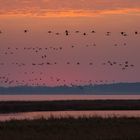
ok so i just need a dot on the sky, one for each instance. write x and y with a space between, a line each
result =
56 8
100 58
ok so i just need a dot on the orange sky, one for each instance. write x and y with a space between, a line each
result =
57 8
40 16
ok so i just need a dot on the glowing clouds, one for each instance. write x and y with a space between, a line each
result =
67 8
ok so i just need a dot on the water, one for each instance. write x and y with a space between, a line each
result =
74 114
58 114
65 97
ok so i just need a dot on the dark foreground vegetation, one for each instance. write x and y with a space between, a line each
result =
29 106
72 129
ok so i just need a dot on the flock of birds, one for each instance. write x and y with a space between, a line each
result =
39 81
45 57
122 65
67 32
13 50
44 61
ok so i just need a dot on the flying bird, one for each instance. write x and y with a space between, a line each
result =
25 31
67 33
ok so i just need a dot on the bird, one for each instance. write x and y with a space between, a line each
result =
122 33
60 48
126 62
125 35
68 63
136 32
78 63
49 32
124 44
25 31
57 33
108 33
132 65
93 31
67 33
77 31
90 63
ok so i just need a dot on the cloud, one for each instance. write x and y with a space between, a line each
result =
48 8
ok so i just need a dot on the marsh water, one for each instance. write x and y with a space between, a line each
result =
75 114
65 97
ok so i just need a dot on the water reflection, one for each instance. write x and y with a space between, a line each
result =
65 97
75 114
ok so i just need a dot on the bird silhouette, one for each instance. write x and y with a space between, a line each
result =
136 32
25 31
108 33
49 32
57 33
93 31
77 31
67 32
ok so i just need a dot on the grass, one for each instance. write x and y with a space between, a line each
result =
83 128
28 106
